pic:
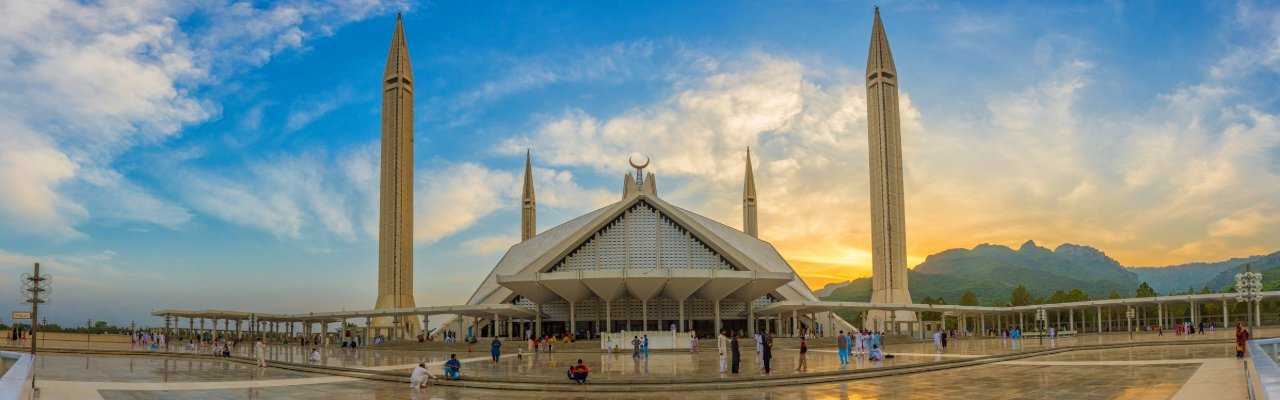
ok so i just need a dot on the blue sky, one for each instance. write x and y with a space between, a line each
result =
224 155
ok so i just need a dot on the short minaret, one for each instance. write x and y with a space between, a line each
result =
528 207
749 222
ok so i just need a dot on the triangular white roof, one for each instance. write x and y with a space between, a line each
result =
543 251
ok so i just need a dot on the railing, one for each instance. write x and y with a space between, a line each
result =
16 382
1264 372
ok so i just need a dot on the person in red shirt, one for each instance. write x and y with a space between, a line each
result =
578 373
1242 336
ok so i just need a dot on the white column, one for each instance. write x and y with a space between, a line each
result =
683 328
716 306
644 315
1225 321
795 324
608 316
537 322
751 319
1160 314
573 321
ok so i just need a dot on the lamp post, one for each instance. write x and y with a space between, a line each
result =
1129 314
1040 317
36 289
1249 290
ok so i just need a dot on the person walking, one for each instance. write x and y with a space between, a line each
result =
767 354
842 348
759 338
1242 337
722 345
635 347
495 349
693 341
644 345
260 351
802 365
735 355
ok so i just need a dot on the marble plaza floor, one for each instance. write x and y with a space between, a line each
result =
996 381
1167 370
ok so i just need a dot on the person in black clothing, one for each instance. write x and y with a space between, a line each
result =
734 354
768 351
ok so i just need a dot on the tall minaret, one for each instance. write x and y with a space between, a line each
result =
888 224
528 207
395 199
749 222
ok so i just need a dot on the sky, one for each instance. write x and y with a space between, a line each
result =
217 154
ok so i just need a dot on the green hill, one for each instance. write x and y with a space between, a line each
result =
992 272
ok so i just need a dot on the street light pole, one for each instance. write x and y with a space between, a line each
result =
1249 290
1129 314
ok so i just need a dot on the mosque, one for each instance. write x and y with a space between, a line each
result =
643 264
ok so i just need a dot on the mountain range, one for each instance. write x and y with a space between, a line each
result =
992 272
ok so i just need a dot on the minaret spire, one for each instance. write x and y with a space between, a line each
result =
395 191
749 221
398 65
528 206
888 217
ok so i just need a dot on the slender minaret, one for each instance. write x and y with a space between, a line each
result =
528 207
395 196
749 223
888 223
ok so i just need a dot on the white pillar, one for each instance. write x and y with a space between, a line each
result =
644 315
537 322
751 319
716 306
608 316
573 321
795 324
1225 321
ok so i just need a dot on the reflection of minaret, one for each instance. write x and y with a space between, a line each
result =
888 221
395 196
528 207
749 222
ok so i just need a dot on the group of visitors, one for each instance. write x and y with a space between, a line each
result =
420 376
150 340
857 343
547 343
640 347
731 354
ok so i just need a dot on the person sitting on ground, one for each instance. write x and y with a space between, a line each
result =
420 376
315 355
876 354
226 351
578 373
453 368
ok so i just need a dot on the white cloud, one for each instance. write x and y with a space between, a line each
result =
309 110
1033 167
486 245
85 82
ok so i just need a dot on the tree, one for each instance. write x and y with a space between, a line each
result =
1145 290
1077 295
1020 296
968 298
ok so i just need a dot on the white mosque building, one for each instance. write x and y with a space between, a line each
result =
642 264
